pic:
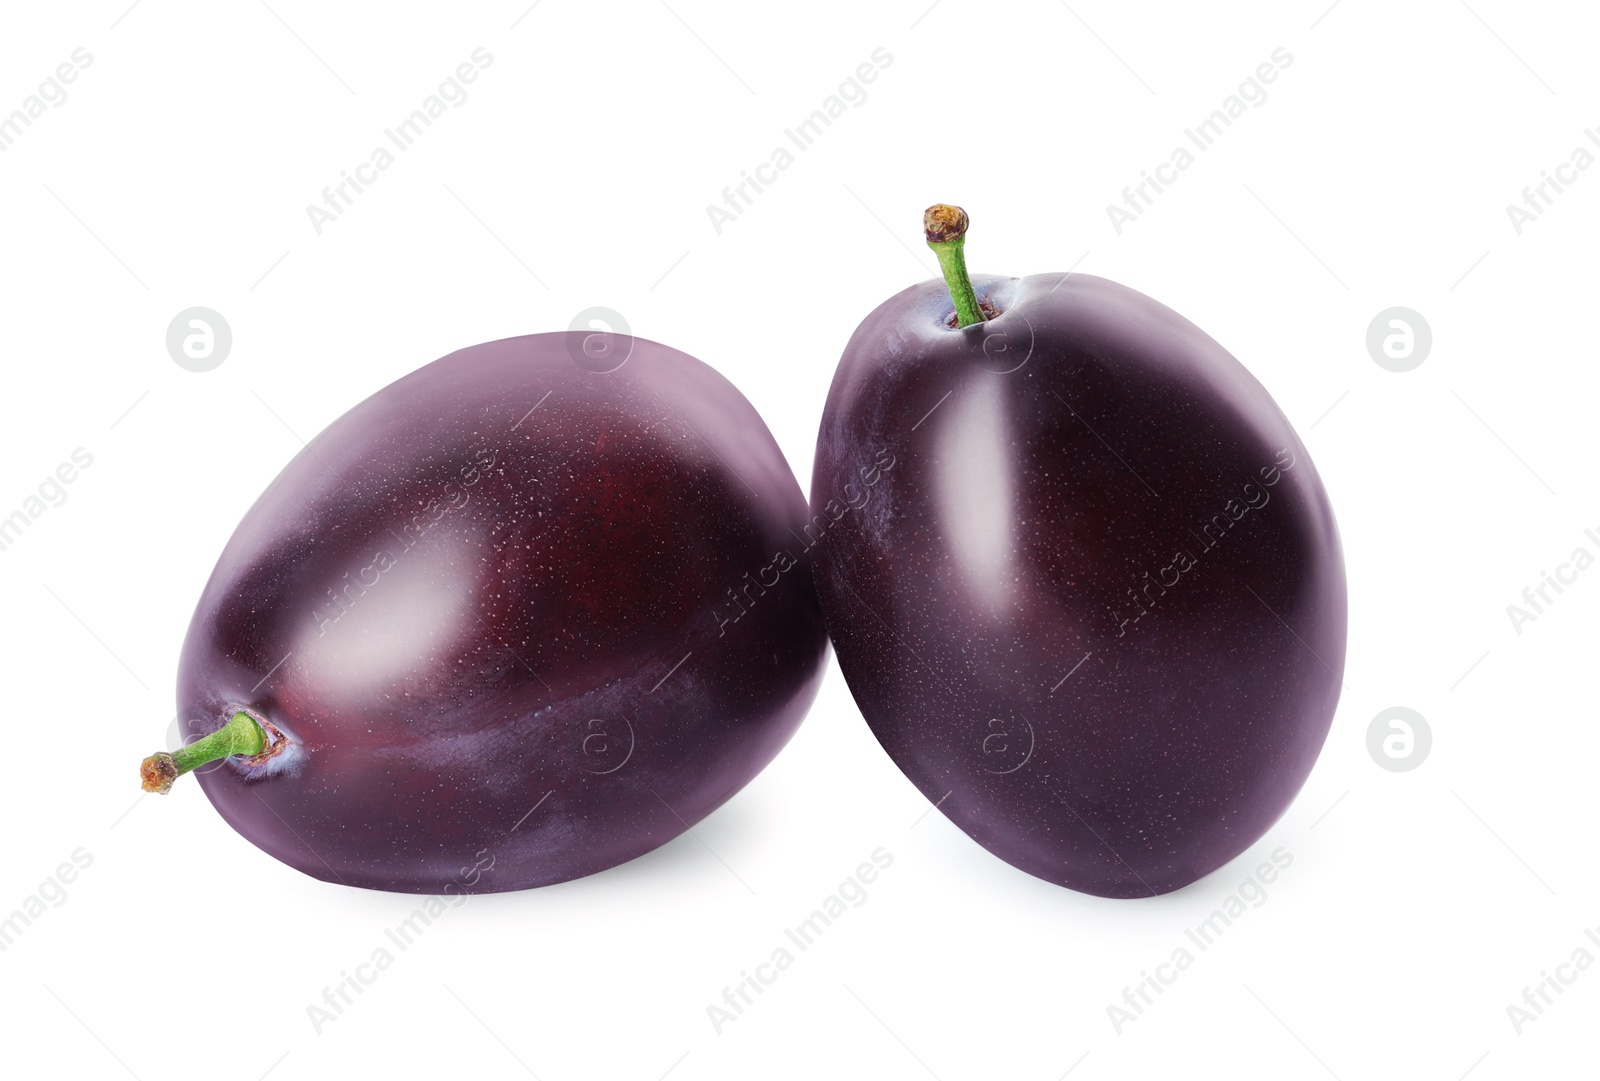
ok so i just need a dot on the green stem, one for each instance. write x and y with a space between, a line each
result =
945 228
241 735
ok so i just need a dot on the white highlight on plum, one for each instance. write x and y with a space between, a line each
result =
975 495
420 607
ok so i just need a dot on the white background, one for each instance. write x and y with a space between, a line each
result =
1376 173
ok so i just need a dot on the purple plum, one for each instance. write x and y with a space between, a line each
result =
1081 575
522 615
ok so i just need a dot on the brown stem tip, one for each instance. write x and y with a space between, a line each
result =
942 223
157 773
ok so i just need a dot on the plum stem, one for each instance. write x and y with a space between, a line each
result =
241 735
945 228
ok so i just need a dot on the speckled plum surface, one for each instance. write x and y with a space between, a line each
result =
1081 577
512 621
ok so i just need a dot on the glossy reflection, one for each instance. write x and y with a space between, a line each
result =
1095 608
975 498
503 614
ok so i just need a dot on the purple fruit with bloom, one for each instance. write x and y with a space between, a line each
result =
1080 573
520 616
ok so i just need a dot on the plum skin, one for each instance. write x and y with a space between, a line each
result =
517 621
1010 603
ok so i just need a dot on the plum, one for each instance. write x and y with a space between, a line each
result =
516 618
1080 574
